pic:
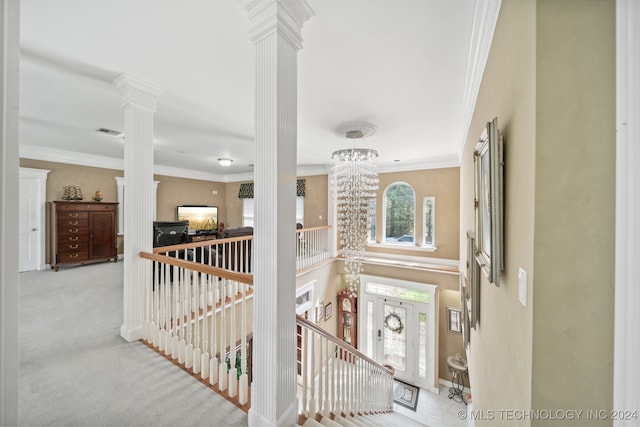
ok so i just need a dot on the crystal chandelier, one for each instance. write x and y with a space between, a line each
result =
355 183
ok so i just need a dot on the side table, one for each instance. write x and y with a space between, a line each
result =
458 368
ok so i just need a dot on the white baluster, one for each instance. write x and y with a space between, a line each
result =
197 351
233 339
188 356
243 397
222 367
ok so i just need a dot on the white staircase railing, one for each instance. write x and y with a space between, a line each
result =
312 246
196 309
197 314
336 379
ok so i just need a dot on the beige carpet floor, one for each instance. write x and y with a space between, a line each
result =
76 370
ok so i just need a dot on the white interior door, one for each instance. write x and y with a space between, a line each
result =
31 228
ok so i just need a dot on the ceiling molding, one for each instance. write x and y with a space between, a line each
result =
485 17
45 154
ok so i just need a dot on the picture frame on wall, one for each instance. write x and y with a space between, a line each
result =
473 285
464 323
328 311
454 320
320 312
488 189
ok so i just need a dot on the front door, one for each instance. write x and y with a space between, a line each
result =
396 337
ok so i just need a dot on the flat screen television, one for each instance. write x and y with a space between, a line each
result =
167 233
200 218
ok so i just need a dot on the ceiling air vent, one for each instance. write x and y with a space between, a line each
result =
110 132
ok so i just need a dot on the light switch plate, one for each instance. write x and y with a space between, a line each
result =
522 286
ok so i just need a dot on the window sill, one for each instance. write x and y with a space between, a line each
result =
403 247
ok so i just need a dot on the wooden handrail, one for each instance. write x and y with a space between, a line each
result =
201 268
320 227
318 330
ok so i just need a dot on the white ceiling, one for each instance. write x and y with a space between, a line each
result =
399 64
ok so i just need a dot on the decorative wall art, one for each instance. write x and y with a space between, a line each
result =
473 284
464 322
488 159
328 311
320 312
454 320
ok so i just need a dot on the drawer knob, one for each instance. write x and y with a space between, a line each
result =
73 239
73 230
73 256
73 215
73 222
73 246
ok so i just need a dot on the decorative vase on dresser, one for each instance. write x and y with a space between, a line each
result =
82 232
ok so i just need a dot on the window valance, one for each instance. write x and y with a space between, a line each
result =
246 190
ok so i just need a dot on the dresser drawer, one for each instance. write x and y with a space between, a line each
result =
72 222
73 256
73 238
72 230
65 247
71 214
79 206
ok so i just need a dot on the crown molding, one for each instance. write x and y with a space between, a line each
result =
485 17
283 16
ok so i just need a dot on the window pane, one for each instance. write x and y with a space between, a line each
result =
422 345
395 337
247 212
399 202
429 220
300 210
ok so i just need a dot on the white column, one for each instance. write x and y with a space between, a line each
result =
9 277
275 30
139 104
626 378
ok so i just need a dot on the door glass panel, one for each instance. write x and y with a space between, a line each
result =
422 345
395 337
370 329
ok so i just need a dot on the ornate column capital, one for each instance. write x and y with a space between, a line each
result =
138 92
283 16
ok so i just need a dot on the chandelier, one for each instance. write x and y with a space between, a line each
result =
355 183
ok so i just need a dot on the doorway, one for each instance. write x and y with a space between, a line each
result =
31 227
398 327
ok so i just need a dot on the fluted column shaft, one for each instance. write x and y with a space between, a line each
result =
276 26
139 105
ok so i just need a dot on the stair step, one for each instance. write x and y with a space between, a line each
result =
390 419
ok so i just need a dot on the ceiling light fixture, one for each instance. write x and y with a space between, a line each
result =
225 162
355 181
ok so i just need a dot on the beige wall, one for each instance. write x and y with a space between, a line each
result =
550 81
444 185
574 210
173 192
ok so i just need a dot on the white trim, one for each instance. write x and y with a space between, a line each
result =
408 246
485 17
626 372
412 259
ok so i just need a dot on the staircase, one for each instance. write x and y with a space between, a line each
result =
197 309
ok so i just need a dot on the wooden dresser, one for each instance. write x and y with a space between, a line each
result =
82 232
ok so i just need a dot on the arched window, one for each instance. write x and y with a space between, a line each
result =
400 208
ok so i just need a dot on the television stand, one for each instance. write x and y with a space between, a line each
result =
200 237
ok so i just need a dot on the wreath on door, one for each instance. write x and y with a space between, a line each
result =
394 323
